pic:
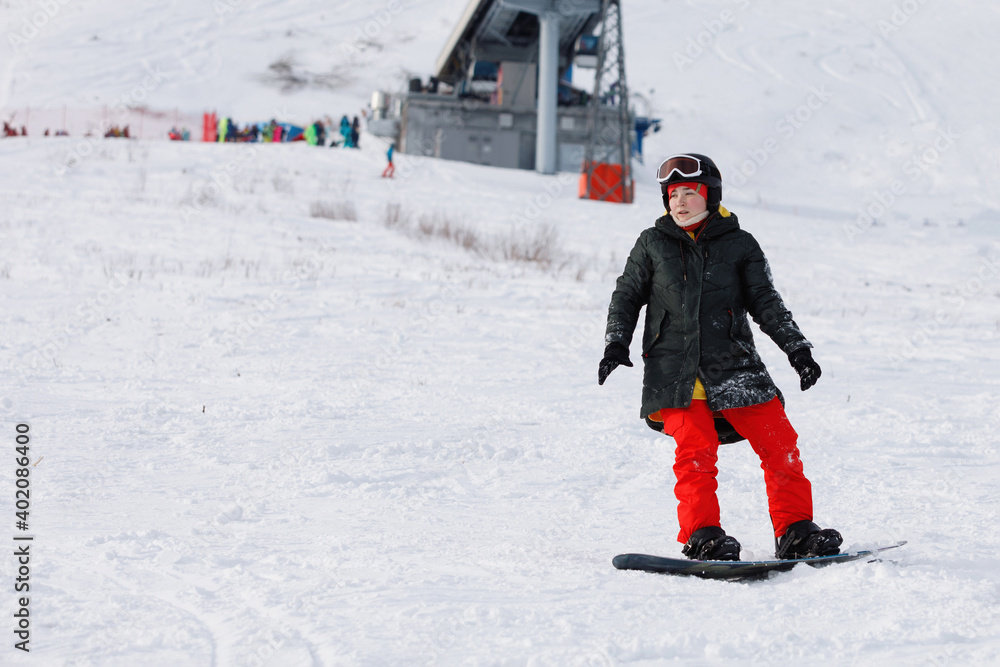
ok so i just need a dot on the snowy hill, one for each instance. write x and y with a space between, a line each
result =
285 412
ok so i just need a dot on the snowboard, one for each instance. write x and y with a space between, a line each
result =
736 569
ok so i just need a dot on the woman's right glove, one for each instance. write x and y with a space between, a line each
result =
615 355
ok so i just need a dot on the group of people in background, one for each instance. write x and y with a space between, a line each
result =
350 131
11 131
182 134
317 133
325 132
115 132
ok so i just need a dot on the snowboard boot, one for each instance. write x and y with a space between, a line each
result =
804 539
711 543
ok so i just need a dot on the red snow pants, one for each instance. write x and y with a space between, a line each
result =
766 427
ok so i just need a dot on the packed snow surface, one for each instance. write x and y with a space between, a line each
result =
285 412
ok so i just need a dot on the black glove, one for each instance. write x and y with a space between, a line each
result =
803 363
615 354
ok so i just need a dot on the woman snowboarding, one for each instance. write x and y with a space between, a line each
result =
699 276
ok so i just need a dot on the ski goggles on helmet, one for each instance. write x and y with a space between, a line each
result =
685 166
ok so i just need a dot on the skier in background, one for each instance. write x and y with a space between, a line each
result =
356 133
390 170
315 134
699 275
345 131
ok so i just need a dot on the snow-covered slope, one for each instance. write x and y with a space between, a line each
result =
213 55
274 438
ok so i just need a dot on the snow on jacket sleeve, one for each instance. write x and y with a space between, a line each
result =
764 303
630 295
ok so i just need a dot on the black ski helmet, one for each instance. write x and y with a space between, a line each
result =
710 176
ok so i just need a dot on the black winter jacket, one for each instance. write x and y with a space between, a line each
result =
697 297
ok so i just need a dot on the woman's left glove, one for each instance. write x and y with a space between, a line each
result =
615 355
803 363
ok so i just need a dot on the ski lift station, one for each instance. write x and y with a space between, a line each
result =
501 94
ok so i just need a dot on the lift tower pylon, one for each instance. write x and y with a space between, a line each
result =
607 170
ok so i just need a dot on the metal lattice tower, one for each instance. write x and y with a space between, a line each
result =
609 128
